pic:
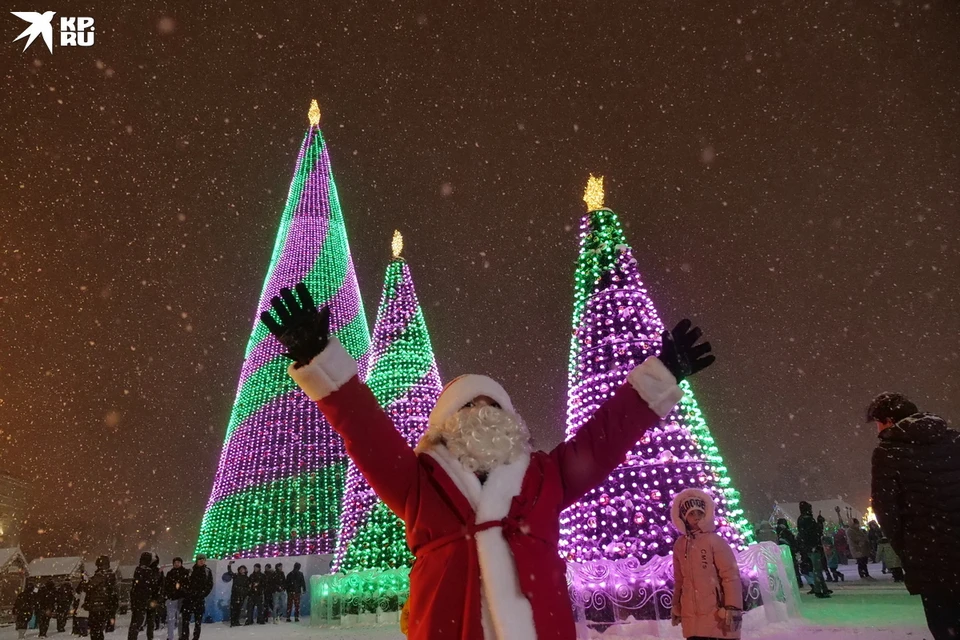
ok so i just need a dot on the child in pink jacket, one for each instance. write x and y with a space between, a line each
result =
707 594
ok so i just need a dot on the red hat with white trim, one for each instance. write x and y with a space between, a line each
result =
462 390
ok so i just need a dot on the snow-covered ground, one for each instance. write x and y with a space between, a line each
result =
862 610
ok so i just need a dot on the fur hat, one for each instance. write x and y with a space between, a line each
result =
689 500
103 562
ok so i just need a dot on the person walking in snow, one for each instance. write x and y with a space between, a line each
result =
916 496
296 586
64 604
810 541
239 591
142 593
101 598
481 507
840 543
859 548
889 557
199 586
23 610
81 617
707 592
832 558
46 606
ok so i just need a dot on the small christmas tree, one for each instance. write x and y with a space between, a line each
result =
404 378
616 327
279 483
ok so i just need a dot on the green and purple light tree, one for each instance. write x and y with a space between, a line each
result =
403 377
616 327
279 483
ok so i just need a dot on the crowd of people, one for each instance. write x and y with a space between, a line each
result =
155 599
818 553
261 596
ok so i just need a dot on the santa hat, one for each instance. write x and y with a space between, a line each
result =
462 390
690 500
457 393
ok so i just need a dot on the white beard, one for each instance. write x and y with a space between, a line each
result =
482 438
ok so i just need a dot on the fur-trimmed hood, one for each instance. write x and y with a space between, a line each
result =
693 499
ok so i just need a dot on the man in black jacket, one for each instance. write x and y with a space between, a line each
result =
238 592
916 496
810 542
101 598
142 594
255 595
296 585
278 593
199 586
785 536
175 590
64 604
46 606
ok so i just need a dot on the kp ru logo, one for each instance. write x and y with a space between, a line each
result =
74 32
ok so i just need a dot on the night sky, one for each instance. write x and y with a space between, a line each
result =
787 173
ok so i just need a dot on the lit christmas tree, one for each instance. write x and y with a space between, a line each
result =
279 483
403 377
616 327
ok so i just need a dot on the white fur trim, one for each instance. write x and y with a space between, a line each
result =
462 390
328 371
656 385
693 498
502 603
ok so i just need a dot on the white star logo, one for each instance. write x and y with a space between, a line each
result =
40 24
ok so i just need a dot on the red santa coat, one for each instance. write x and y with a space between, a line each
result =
487 561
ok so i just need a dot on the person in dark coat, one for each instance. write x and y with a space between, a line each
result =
874 533
268 584
64 604
46 604
278 593
810 542
916 496
158 603
255 595
101 598
238 591
142 593
840 542
785 537
175 591
199 586
23 610
296 586
81 617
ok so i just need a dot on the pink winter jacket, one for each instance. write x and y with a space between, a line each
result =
707 579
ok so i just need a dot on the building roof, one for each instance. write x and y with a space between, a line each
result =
10 554
54 566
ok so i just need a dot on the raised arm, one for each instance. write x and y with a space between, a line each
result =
650 393
328 375
370 437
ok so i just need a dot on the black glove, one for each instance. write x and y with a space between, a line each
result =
681 354
302 329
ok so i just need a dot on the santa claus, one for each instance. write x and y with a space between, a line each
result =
481 507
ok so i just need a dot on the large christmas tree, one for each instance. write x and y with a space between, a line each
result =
404 378
616 327
280 479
